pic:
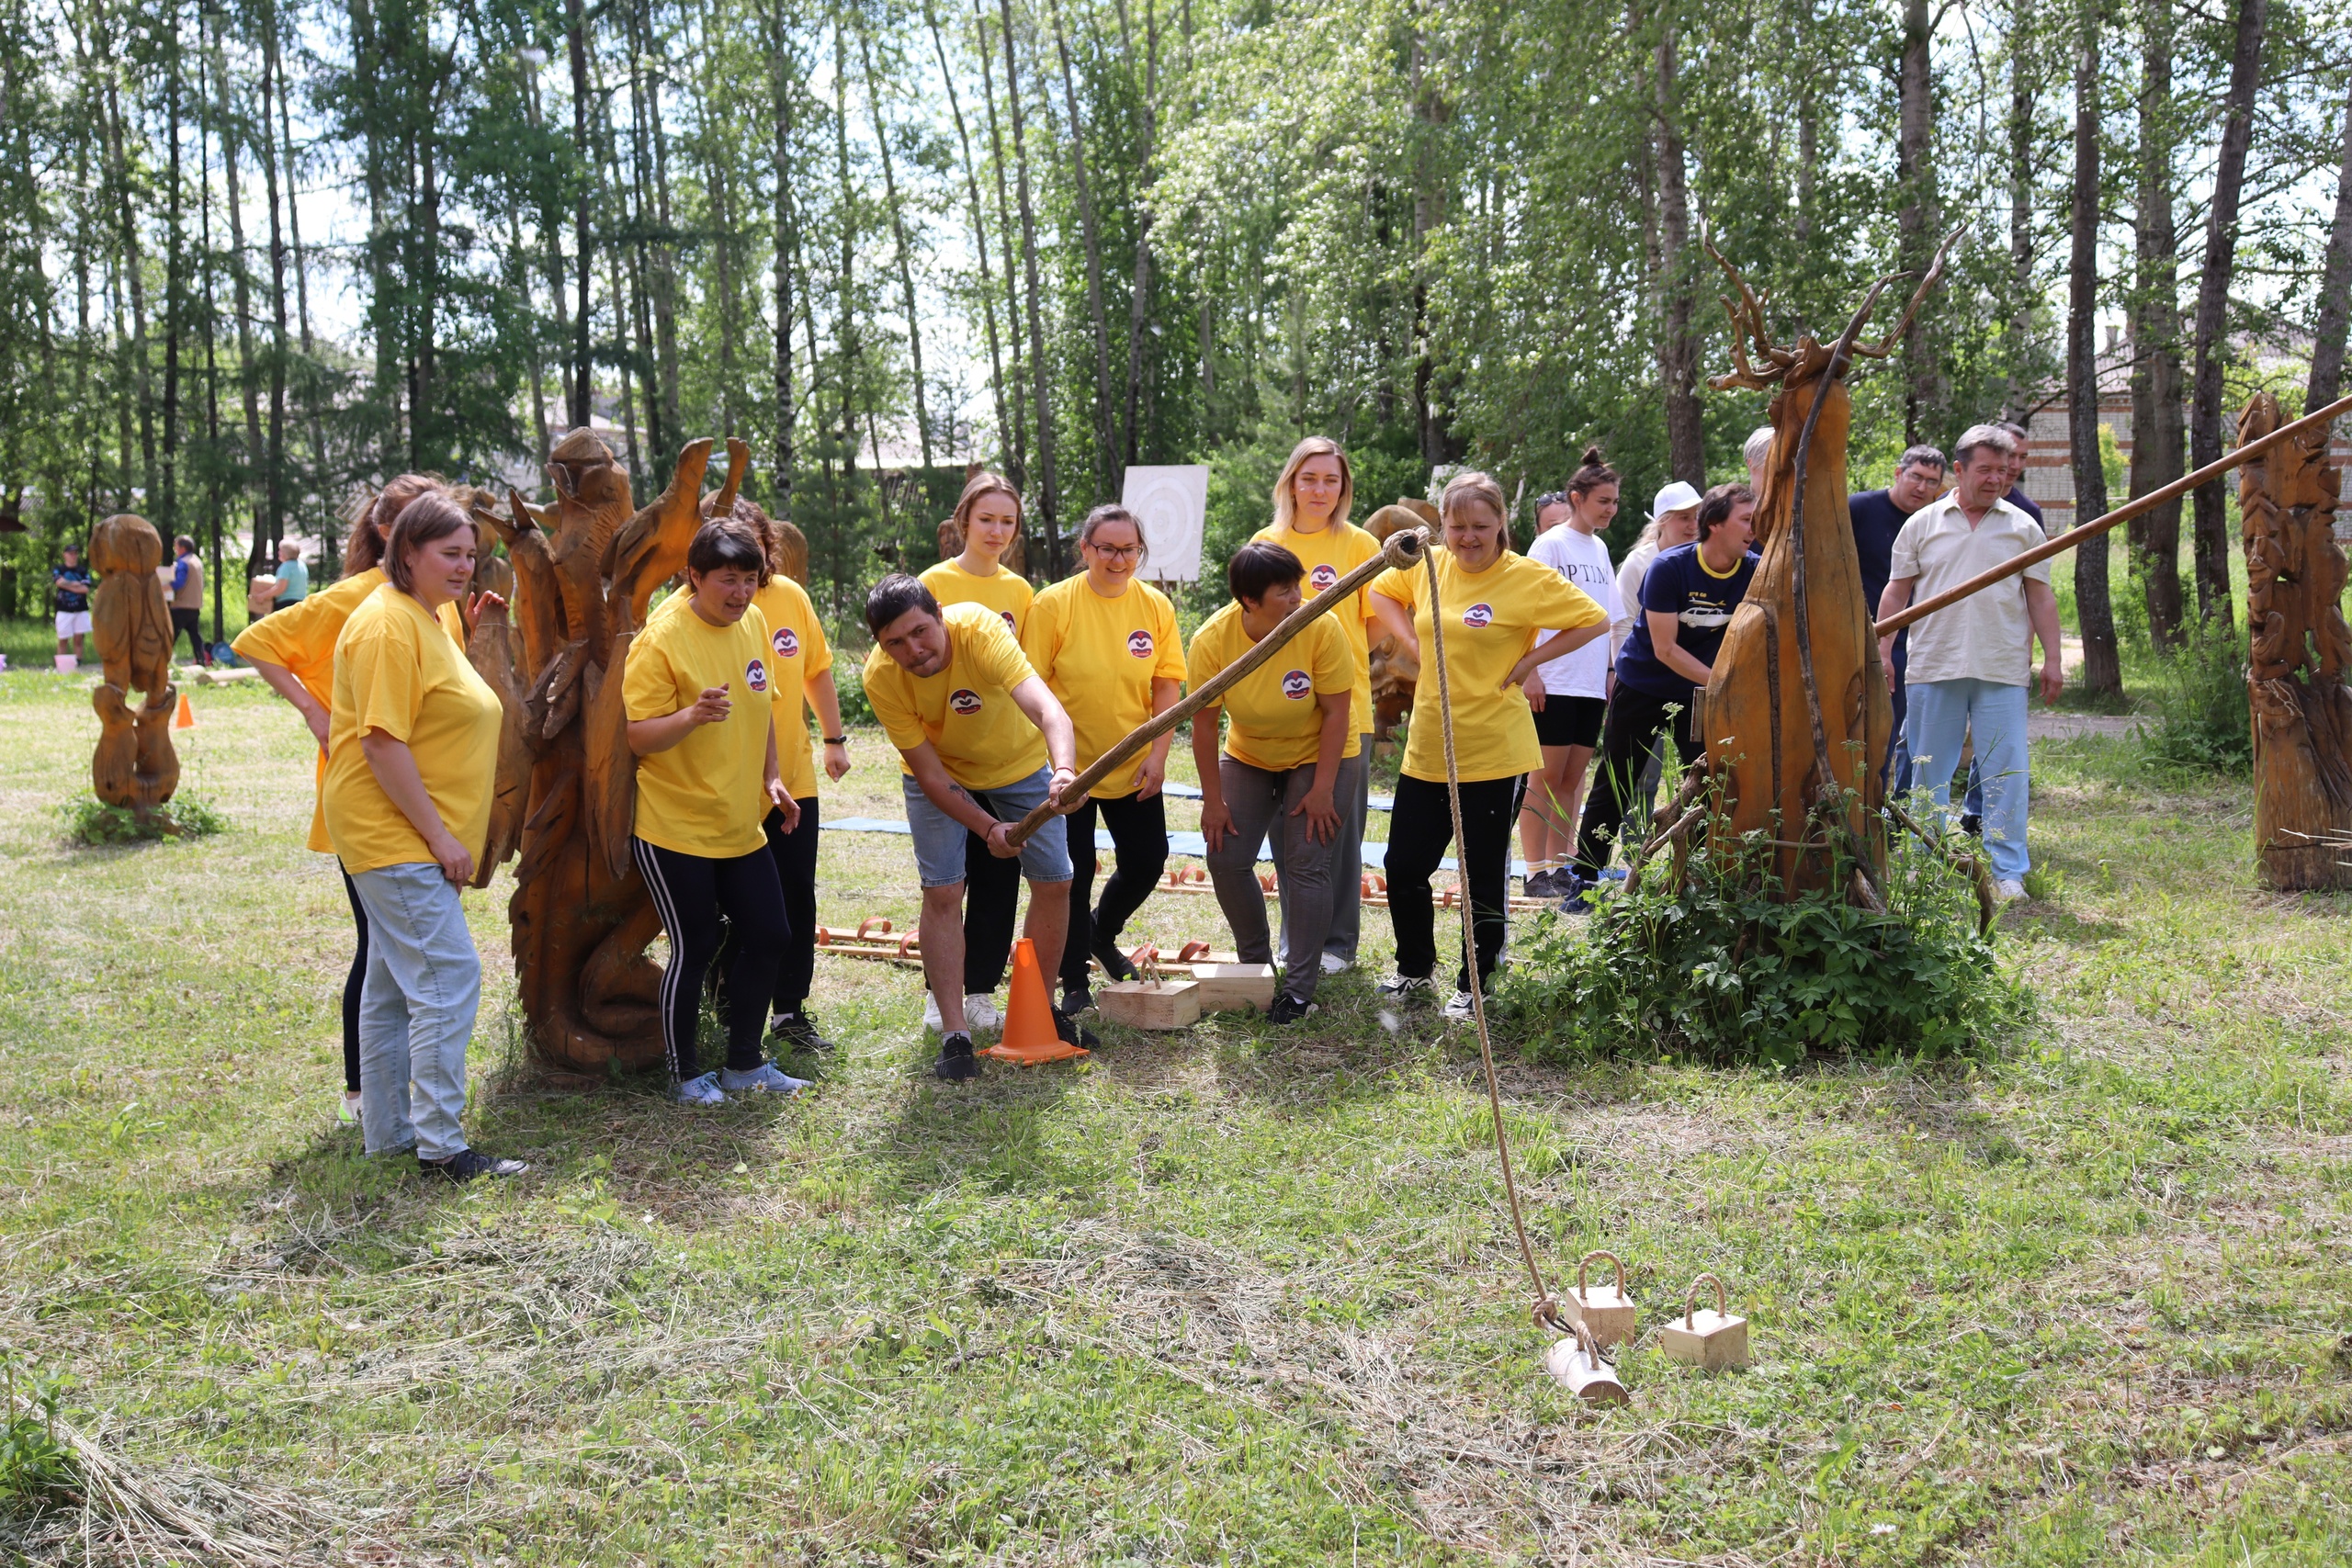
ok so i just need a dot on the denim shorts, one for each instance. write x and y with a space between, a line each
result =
941 841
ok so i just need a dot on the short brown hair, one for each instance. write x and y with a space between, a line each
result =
1719 504
430 516
1111 511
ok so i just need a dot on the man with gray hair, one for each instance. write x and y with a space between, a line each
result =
1970 661
1877 517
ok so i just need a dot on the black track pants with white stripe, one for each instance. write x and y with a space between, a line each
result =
690 892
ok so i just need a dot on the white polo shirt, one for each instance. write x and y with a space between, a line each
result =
1985 637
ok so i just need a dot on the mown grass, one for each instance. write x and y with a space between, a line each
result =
1226 1296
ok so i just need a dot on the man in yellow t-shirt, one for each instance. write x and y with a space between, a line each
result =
701 723
982 743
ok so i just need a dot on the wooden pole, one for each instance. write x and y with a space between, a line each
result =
1399 551
2123 513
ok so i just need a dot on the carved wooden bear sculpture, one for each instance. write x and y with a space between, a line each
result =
135 766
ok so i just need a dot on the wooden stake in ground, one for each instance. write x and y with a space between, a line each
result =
2303 713
131 626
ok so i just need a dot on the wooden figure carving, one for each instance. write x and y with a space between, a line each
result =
135 766
1797 717
584 571
2303 713
1395 668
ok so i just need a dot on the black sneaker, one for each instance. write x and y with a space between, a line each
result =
799 1031
1288 1009
1408 988
1115 963
1076 999
1073 1034
957 1063
467 1163
1973 825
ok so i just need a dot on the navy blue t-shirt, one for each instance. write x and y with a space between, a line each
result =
1876 521
1680 584
2024 504
70 592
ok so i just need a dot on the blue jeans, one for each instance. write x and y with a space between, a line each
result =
940 840
416 1010
1943 712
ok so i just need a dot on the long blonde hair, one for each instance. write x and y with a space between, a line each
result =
1286 502
986 482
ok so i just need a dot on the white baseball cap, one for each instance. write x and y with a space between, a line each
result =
1680 496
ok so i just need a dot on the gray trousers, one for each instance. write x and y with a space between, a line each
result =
416 1010
1257 800
1353 797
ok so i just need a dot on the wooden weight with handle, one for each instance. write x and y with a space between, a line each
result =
1607 1310
1711 1339
1576 1362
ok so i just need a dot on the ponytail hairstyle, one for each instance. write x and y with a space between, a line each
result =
371 518
431 516
1471 485
1286 499
1594 473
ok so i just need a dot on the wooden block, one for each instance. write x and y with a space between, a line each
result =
1231 988
1576 1365
1606 1310
1146 1004
1713 1340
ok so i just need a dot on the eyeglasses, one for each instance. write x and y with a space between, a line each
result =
1117 552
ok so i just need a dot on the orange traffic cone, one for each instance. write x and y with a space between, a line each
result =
1030 1037
186 718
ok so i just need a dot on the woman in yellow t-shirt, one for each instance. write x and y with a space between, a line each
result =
1290 757
1313 496
412 751
1498 605
702 724
1108 647
988 516
293 652
800 677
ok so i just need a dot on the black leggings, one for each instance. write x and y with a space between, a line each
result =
1627 736
1419 828
1139 834
351 984
691 892
991 905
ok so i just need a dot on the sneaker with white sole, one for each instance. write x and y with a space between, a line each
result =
1333 963
957 1063
1407 988
2009 889
347 1109
1288 1009
766 1079
799 1028
980 1012
468 1164
931 1019
1462 1006
703 1090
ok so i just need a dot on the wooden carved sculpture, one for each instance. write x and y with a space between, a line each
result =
135 766
1797 717
1396 669
584 571
2303 713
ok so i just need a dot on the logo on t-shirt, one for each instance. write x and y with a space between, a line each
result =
786 645
1297 685
965 701
1323 577
755 674
1479 615
1010 625
1139 644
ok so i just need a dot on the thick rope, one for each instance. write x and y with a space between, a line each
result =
1545 1312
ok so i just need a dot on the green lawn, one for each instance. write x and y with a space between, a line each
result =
1217 1297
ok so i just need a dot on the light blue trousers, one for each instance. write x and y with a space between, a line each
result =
1942 714
416 1010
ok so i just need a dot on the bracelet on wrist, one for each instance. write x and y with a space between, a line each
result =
836 739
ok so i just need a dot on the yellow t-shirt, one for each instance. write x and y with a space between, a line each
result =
1276 722
965 711
302 636
1008 592
1329 555
397 671
1099 657
799 653
702 797
1492 619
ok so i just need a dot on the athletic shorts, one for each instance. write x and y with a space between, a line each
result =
73 623
940 840
1570 721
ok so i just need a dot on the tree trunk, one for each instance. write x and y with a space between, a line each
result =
263 549
845 328
979 231
1430 111
2211 543
1048 498
899 239
583 164
1678 349
1108 470
2102 670
2023 77
787 246
2334 290
2157 433
168 515
1019 470
1918 218
662 253
134 277
212 496
1139 289
274 459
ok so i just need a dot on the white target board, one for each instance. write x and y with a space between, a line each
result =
1171 501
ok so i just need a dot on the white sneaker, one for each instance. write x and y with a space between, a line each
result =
931 1019
703 1090
346 1111
2007 889
1462 1006
766 1079
980 1012
1333 963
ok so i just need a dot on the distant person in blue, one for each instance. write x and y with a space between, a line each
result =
70 594
293 577
1878 515
1687 596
